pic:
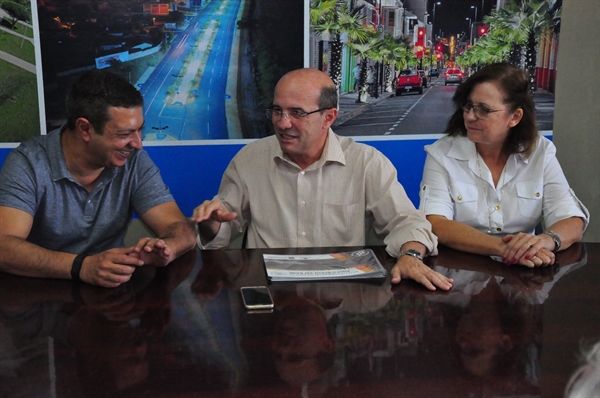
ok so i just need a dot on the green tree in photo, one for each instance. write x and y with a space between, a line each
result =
16 11
514 34
332 19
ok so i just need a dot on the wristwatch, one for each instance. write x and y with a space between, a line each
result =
555 238
412 252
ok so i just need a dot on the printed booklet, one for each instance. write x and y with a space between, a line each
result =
358 264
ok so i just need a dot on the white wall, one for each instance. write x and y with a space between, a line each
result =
577 105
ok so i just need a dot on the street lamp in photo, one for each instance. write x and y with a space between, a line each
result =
433 19
475 19
469 31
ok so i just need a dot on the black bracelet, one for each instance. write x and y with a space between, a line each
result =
76 267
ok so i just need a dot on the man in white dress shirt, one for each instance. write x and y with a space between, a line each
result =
307 187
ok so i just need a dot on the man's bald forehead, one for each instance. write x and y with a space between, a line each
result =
308 74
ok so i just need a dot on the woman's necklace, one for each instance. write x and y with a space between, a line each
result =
487 203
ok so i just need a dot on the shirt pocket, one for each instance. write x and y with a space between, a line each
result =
529 198
465 200
341 223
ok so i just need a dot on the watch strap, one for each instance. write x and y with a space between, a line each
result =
76 267
555 238
412 252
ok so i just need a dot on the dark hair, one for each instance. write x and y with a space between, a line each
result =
329 97
94 92
514 84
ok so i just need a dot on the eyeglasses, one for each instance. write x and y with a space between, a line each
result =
296 114
479 111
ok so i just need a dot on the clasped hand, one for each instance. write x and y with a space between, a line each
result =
528 250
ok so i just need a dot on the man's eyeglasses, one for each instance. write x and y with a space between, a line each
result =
479 111
277 114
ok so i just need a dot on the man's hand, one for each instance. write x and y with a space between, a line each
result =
153 251
412 268
212 210
110 268
210 214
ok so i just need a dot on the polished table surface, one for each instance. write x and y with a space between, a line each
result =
182 331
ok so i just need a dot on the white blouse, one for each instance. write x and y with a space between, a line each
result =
458 185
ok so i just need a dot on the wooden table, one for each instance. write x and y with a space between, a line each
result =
182 331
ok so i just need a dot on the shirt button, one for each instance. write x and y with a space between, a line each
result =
89 201
497 207
424 188
302 172
459 197
498 229
303 203
303 233
537 194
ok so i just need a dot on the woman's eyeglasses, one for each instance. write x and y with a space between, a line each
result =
480 112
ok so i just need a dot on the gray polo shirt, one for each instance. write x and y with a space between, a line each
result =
66 217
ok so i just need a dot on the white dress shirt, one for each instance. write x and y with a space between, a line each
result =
458 185
333 202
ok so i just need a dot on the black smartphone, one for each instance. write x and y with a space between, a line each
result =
257 298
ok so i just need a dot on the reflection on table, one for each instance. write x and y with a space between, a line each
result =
182 331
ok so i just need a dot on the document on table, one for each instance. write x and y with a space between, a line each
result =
358 264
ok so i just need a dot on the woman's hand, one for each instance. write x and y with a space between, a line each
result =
528 250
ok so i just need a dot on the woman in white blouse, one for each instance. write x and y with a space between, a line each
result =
493 179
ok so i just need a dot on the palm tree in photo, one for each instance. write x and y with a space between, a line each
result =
400 56
541 16
403 53
489 49
333 19
386 48
508 23
363 51
522 25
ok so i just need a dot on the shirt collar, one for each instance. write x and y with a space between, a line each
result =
464 149
56 156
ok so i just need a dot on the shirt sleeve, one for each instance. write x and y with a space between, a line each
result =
17 189
434 192
221 239
560 201
395 215
150 189
233 196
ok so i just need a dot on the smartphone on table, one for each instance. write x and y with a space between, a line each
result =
257 298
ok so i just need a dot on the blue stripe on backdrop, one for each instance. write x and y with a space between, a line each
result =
194 172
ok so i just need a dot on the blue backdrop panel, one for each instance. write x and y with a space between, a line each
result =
194 172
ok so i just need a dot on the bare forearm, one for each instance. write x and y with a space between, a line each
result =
463 237
20 257
180 237
569 230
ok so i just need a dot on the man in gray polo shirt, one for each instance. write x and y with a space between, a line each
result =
66 198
